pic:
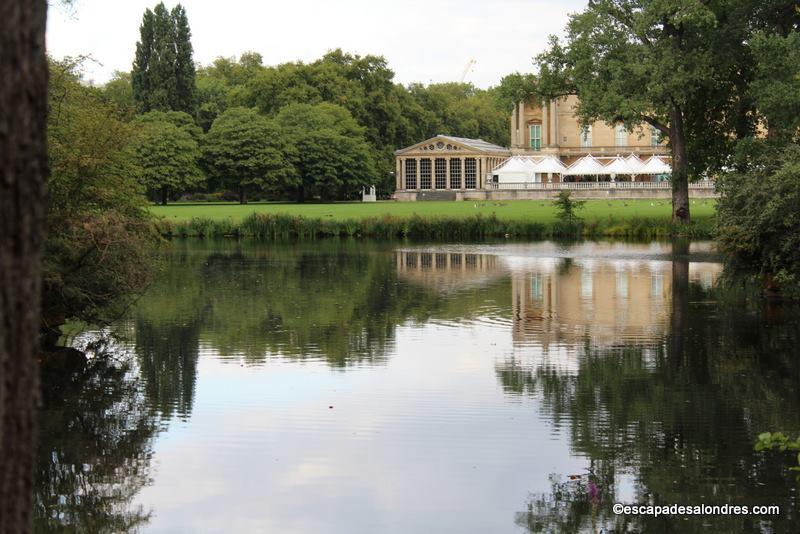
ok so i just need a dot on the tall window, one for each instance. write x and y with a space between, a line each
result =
470 173
440 170
537 286
536 137
620 135
655 136
455 173
425 173
586 136
411 174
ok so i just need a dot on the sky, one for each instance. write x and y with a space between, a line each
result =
424 41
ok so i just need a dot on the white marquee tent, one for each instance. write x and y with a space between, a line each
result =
656 165
586 166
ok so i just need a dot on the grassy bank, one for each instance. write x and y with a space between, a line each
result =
518 210
476 227
640 219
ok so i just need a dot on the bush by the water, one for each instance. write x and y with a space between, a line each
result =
759 220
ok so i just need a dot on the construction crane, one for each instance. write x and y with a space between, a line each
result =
466 69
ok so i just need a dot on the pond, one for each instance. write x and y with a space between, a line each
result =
347 387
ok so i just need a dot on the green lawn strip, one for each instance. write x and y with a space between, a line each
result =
522 210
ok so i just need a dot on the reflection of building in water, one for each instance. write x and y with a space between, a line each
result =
604 300
554 299
448 270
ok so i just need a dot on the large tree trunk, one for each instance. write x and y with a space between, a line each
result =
164 195
23 207
680 166
242 195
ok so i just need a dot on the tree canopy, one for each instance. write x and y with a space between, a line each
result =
168 153
245 150
667 64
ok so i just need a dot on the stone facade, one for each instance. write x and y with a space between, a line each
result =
553 129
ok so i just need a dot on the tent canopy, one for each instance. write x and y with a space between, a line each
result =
549 164
656 165
587 165
620 165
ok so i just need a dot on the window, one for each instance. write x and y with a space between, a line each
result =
440 169
620 135
586 137
455 173
622 285
470 173
655 136
537 286
411 174
536 136
425 173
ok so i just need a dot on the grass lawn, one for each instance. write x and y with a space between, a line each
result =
535 210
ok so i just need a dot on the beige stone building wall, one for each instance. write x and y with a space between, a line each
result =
561 133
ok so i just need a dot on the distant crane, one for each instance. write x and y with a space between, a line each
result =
466 69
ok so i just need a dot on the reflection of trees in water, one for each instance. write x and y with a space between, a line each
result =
681 417
337 301
167 356
95 446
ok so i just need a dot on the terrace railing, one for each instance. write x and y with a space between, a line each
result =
582 186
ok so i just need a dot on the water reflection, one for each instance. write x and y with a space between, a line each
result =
427 388
95 445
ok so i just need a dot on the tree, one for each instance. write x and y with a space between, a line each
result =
168 156
331 156
185 98
245 151
23 174
758 224
99 251
119 91
163 75
667 64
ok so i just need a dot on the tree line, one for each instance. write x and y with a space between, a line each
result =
319 130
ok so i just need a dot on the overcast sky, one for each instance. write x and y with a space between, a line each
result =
424 41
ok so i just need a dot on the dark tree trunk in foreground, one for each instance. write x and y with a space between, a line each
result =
164 196
680 166
23 171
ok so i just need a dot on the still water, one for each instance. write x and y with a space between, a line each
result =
348 387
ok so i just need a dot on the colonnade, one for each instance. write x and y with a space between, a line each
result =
445 172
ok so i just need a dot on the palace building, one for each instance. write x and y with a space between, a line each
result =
550 151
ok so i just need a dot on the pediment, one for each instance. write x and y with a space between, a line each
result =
436 145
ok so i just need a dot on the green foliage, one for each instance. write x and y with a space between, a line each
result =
515 88
163 75
778 440
281 226
758 223
678 66
98 252
244 150
330 153
119 91
776 87
391 115
168 154
566 207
